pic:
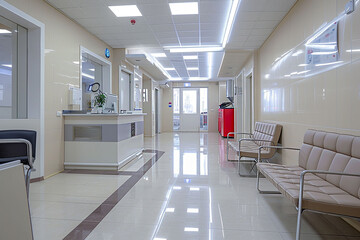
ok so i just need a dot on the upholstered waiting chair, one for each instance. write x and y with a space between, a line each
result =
18 145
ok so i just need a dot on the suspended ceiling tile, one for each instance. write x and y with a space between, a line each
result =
162 27
158 19
261 31
171 34
272 16
169 41
187 27
188 34
266 24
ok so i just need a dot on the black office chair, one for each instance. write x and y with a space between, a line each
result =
19 145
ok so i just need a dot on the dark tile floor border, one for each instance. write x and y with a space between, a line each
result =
89 224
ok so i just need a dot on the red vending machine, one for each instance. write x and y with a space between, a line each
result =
226 121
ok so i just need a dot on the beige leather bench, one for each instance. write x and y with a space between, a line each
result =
265 134
327 178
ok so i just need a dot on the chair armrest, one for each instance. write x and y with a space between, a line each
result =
276 147
253 140
28 146
238 133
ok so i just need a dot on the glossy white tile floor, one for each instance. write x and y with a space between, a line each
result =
190 193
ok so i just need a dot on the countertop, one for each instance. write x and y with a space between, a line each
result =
103 114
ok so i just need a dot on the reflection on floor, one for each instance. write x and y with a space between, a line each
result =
191 192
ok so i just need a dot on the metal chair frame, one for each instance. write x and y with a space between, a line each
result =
299 208
254 161
227 142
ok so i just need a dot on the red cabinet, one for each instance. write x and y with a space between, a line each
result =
226 121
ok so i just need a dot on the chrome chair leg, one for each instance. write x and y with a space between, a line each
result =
258 185
27 181
246 161
298 226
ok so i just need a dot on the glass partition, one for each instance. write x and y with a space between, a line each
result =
13 70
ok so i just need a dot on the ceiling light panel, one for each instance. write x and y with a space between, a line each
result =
195 49
125 11
186 8
193 69
192 57
158 55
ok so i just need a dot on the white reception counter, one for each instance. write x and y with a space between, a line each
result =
102 141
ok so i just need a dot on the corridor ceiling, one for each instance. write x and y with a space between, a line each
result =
157 30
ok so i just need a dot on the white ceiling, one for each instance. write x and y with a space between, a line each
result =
157 28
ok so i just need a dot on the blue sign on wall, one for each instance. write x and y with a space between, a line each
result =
107 53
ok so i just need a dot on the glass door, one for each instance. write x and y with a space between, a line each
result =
190 110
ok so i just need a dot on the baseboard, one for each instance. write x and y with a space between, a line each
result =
53 174
38 179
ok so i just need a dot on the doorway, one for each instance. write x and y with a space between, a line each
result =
190 109
248 106
238 102
157 111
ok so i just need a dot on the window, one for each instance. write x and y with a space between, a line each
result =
125 91
189 105
93 68
91 72
13 70
203 109
176 99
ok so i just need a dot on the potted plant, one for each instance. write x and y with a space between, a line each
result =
99 101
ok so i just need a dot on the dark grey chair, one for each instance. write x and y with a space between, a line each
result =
19 145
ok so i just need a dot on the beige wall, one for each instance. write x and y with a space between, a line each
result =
64 37
167 112
326 101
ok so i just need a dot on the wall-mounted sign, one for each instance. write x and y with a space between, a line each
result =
322 47
107 53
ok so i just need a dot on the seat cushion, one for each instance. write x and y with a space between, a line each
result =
319 194
249 149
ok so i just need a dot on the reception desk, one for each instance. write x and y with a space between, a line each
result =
102 141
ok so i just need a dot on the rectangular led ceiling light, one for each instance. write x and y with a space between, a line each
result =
192 69
185 8
169 69
4 31
230 22
194 57
125 11
195 49
158 55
